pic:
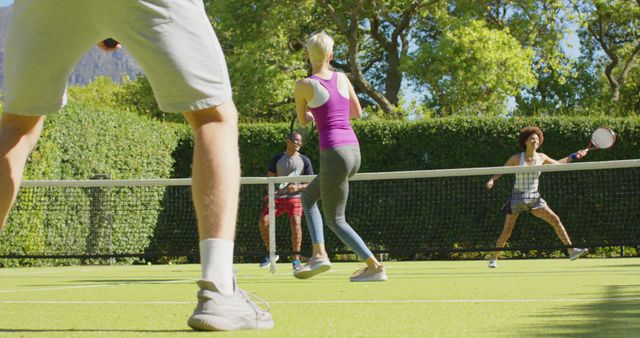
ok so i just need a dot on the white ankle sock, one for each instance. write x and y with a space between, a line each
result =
216 260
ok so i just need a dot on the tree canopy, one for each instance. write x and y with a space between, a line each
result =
436 57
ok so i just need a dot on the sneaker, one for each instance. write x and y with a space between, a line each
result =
218 312
313 267
296 264
368 274
493 263
575 253
266 262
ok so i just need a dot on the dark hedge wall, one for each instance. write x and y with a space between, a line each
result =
83 141
445 143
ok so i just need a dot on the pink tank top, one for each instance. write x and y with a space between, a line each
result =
332 117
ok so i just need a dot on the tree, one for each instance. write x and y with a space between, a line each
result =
264 45
472 69
377 34
613 26
542 26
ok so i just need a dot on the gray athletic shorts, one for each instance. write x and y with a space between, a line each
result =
519 202
172 40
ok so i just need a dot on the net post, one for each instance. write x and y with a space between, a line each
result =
272 225
99 237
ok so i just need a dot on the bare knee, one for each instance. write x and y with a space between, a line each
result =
15 129
549 216
224 113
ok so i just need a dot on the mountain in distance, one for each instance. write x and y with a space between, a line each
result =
93 64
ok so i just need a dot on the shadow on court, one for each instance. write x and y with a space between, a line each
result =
624 266
133 281
88 330
617 314
84 282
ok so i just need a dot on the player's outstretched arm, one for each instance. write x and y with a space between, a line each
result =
570 158
513 160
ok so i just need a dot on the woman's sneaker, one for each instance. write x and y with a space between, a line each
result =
266 262
493 263
368 274
313 267
575 253
296 264
218 312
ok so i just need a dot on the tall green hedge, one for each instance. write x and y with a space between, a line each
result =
432 144
445 143
83 141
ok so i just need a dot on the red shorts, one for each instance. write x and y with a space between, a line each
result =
292 206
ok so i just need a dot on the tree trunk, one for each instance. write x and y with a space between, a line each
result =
350 29
362 85
394 76
613 83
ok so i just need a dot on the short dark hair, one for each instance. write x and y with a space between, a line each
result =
292 135
526 132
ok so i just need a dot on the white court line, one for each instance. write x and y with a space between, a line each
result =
58 288
96 286
408 301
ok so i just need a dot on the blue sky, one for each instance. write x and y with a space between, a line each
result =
5 2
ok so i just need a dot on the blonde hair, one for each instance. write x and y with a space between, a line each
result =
320 47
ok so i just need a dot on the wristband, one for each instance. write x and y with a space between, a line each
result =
573 156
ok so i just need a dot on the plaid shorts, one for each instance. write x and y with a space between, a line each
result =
520 202
292 206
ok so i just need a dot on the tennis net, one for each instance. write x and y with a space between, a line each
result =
400 215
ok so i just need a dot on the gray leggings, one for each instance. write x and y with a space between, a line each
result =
332 186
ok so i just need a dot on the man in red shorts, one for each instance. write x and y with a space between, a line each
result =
289 163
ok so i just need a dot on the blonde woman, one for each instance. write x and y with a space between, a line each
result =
328 98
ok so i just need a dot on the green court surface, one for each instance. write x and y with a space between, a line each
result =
522 298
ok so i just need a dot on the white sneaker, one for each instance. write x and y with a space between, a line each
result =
266 262
368 274
218 312
313 267
493 263
575 253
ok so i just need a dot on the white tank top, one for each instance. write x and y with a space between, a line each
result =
527 182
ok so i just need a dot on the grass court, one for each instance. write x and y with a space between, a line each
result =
522 298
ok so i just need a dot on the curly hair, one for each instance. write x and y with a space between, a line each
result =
526 132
